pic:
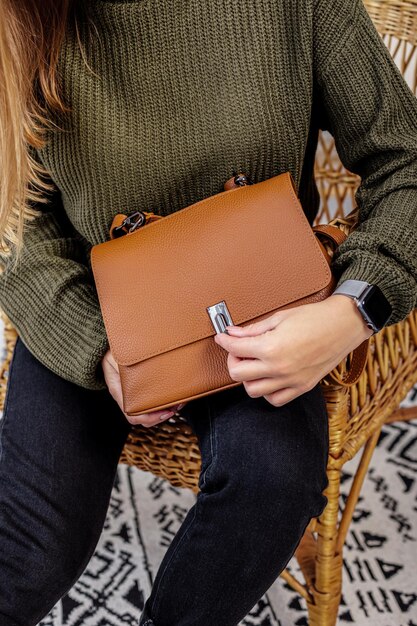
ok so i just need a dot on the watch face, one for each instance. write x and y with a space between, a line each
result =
376 306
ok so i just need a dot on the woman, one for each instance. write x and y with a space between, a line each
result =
111 105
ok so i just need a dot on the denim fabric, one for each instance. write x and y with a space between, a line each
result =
59 447
262 478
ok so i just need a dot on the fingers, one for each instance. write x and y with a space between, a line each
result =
109 360
256 328
112 377
246 369
283 396
150 419
112 361
155 417
244 347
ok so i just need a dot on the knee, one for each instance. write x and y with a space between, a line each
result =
68 556
271 489
268 460
272 478
31 583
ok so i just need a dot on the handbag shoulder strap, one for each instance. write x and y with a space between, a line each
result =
358 359
333 233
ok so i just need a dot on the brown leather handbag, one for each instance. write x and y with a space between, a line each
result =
169 284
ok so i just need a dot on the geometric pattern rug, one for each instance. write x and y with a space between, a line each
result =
380 553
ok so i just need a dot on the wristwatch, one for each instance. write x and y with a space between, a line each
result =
370 300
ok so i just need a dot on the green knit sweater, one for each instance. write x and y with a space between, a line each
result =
182 93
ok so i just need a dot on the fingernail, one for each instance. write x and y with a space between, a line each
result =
165 415
180 406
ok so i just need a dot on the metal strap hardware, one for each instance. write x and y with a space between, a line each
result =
241 179
130 223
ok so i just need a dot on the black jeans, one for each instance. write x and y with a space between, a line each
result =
262 479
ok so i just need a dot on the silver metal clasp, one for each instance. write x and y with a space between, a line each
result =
220 316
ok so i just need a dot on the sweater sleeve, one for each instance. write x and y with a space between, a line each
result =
370 110
51 299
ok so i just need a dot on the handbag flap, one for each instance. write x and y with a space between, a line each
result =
251 246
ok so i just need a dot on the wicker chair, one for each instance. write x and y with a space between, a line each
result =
356 413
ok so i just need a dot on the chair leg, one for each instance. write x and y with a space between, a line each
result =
402 415
327 588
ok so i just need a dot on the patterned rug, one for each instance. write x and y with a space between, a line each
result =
380 582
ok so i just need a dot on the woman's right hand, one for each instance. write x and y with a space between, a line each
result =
112 378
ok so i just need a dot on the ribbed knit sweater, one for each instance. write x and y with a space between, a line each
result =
184 92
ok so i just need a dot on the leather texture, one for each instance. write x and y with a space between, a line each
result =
251 246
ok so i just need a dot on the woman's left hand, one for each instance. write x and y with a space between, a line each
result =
288 353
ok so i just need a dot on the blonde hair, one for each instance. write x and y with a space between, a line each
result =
31 35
